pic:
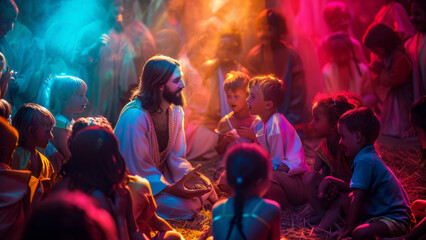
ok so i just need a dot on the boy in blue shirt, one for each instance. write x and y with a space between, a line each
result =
378 205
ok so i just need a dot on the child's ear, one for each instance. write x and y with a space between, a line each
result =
31 131
269 104
358 137
162 87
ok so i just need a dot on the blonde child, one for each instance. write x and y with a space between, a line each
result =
34 124
378 205
236 91
68 97
330 159
279 138
202 139
14 191
246 215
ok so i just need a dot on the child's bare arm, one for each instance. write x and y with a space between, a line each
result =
340 184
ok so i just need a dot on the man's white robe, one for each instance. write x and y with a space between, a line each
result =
138 144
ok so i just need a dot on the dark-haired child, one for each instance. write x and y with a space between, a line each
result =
391 79
416 47
274 56
378 205
330 158
246 215
34 124
143 203
97 168
279 138
14 191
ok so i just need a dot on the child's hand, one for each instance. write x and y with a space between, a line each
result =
229 137
150 208
328 191
246 132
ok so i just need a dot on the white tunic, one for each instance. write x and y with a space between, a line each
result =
138 144
283 144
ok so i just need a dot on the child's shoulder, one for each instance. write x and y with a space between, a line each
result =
218 206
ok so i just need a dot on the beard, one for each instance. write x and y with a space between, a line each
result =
173 97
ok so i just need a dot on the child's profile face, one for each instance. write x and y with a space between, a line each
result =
236 100
349 141
421 135
256 101
320 123
42 135
227 50
78 102
6 25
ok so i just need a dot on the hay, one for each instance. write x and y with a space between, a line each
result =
400 158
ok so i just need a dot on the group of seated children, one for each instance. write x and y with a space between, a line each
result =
265 166
353 176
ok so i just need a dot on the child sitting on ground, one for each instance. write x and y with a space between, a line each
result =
246 215
230 126
279 138
14 191
68 97
378 205
34 124
330 158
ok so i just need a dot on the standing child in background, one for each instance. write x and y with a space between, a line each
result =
391 79
330 158
343 72
68 97
416 48
34 124
279 138
14 192
214 72
246 215
274 56
378 205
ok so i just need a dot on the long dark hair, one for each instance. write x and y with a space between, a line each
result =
156 72
96 162
246 163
